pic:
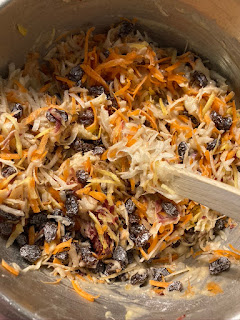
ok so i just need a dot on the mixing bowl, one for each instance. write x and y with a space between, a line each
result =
208 27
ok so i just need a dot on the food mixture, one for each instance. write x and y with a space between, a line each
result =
82 130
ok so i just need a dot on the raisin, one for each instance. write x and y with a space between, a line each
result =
133 218
17 110
8 171
139 235
71 205
98 150
66 237
219 225
96 91
54 115
30 253
193 119
87 257
219 265
199 79
212 144
221 123
147 123
182 148
130 256
5 228
139 278
176 244
106 53
130 206
175 286
82 176
21 240
86 117
38 219
76 74
50 231
158 273
62 256
57 212
8 216
126 27
170 209
109 269
80 145
238 168
120 255
100 267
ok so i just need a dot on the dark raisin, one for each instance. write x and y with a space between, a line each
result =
199 79
8 171
17 110
190 231
130 206
126 27
147 123
195 121
96 91
98 150
50 231
106 53
86 117
219 265
87 257
71 205
212 144
176 244
53 115
21 240
139 278
221 123
100 268
182 148
76 74
133 218
66 237
219 225
62 256
158 273
8 216
82 176
30 252
139 235
175 286
57 212
38 219
5 228
238 168
170 209
130 256
120 255
80 145
109 269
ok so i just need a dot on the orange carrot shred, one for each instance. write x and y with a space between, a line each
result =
82 293
9 268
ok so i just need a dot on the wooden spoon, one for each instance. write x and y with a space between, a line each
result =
211 193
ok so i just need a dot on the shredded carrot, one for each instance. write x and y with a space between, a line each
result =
139 205
86 44
233 248
153 244
66 80
45 87
98 196
62 246
143 253
165 259
123 89
93 126
57 261
82 293
9 268
20 86
94 75
139 86
46 247
159 284
82 191
214 288
9 156
31 235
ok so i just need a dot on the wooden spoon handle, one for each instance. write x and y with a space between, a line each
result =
211 193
